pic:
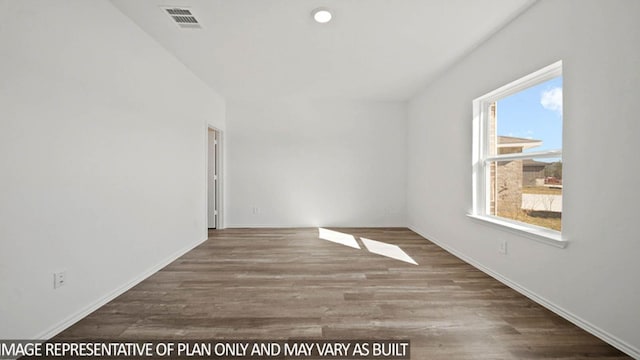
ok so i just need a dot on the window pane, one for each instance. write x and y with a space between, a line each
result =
529 120
528 191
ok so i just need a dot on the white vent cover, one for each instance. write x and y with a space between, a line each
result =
183 17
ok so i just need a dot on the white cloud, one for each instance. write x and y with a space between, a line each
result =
552 100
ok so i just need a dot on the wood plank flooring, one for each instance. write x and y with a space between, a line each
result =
289 283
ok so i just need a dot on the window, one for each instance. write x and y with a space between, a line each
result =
517 155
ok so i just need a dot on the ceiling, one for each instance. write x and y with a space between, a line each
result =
372 49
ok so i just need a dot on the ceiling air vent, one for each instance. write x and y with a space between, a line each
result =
184 17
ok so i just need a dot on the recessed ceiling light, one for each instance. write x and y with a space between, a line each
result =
321 15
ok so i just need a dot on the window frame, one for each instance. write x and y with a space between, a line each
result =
481 159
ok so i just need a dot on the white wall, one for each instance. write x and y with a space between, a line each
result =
305 162
595 280
102 154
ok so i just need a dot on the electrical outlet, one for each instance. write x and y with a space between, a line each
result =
503 247
256 210
59 279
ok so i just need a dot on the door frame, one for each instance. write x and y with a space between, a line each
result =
220 172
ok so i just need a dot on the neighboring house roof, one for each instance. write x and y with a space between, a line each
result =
533 163
510 141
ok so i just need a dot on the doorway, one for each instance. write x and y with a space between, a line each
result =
213 175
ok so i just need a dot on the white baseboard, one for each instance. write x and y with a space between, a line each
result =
254 226
289 226
579 322
58 328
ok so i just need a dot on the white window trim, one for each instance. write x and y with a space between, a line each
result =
480 175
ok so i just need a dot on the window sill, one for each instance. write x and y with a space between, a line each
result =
545 236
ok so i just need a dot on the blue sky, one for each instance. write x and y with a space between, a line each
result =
534 113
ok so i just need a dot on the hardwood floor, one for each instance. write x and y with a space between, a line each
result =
289 283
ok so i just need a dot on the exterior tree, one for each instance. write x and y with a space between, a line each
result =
554 170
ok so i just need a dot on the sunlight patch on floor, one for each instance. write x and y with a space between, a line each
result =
388 250
338 237
374 246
